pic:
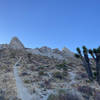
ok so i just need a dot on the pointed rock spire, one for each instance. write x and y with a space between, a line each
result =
16 43
67 52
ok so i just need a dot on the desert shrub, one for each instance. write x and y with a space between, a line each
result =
86 90
41 73
52 97
88 81
12 54
64 73
46 66
95 74
58 75
62 91
62 66
66 95
47 84
29 55
26 81
93 68
42 67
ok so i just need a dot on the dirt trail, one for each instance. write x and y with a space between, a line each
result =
23 93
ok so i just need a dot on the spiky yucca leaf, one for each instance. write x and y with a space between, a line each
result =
94 50
91 51
77 55
84 48
98 50
78 50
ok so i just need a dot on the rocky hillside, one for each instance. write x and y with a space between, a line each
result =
44 51
56 53
43 74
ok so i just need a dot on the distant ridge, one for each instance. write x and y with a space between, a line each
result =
16 44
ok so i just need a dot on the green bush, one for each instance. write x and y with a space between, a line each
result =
65 95
58 75
26 81
52 97
95 74
62 66
42 67
41 73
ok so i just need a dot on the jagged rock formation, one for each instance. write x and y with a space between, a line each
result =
55 53
67 52
16 44
44 51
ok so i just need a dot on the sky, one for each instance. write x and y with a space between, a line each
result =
52 23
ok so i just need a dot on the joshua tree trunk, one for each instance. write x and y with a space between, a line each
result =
98 73
95 53
98 68
88 67
86 61
89 70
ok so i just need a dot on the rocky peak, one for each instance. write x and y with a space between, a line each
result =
45 49
65 49
16 43
67 52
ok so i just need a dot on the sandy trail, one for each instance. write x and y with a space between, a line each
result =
23 93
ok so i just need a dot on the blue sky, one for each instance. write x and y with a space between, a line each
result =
54 23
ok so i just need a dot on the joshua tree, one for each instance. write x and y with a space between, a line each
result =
95 53
86 61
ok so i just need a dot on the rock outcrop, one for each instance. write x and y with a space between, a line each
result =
2 46
67 52
55 53
16 44
63 54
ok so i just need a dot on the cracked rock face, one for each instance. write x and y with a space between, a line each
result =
55 53
16 44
